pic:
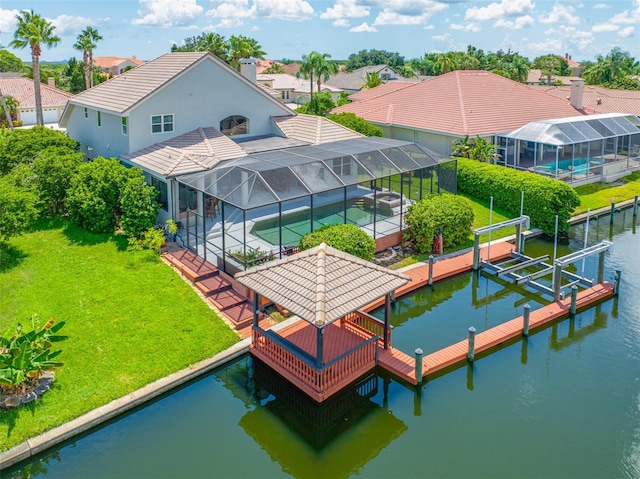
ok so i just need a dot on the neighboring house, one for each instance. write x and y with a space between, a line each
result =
293 89
21 89
538 77
436 112
116 65
354 81
245 175
599 99
576 68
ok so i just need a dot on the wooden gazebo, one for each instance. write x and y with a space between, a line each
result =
334 343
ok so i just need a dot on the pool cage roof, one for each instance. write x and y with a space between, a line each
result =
577 129
269 177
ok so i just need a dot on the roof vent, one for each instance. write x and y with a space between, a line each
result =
599 101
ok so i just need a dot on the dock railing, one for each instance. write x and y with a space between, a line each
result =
288 358
365 325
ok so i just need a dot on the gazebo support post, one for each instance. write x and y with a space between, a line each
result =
319 346
256 308
387 315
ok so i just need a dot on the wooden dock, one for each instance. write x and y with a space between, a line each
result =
403 366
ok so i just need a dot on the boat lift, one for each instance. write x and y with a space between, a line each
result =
556 269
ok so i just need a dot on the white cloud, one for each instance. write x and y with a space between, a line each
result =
167 13
631 16
469 27
341 22
605 27
626 32
445 37
517 24
407 12
429 27
232 12
8 20
600 6
70 25
346 9
550 44
495 11
561 14
364 27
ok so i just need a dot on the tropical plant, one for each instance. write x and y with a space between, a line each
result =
446 62
372 80
374 57
477 148
611 68
34 31
18 208
452 215
86 43
26 354
152 239
345 237
320 104
206 42
276 68
9 108
9 62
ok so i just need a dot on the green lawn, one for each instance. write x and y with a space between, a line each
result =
129 317
599 195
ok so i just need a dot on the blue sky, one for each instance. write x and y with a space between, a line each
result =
290 28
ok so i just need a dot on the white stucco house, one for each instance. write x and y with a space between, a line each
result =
243 173
293 89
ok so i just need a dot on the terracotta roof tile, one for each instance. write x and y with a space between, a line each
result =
21 89
601 100
464 102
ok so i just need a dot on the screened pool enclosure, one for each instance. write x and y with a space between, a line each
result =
249 210
577 149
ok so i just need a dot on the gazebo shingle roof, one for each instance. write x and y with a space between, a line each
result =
322 284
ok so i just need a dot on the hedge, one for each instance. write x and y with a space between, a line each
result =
544 198
345 237
425 219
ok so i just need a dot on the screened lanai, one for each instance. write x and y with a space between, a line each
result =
256 208
577 149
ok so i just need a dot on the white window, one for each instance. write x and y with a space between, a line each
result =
161 123
99 119
86 112
125 127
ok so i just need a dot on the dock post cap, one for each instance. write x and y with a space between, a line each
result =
419 351
472 329
527 306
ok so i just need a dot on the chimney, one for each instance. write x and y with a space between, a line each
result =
248 69
51 82
577 87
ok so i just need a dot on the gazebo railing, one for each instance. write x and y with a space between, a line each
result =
302 367
365 325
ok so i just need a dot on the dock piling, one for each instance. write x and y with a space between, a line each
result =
574 299
613 211
472 340
635 206
419 352
430 270
616 278
525 320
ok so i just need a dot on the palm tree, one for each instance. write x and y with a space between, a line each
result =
372 80
213 43
33 31
317 64
86 42
446 62
5 106
243 47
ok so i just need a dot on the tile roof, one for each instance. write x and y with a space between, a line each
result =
108 62
124 91
355 80
198 150
364 95
322 284
283 81
463 102
602 100
313 129
21 89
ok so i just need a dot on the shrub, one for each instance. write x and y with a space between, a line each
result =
139 206
355 123
544 198
152 239
18 208
345 237
425 218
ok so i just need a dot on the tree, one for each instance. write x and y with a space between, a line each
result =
320 104
139 206
243 47
317 64
53 168
355 123
446 62
9 107
611 68
344 237
9 62
34 31
276 68
86 43
18 208
374 57
549 64
205 42
74 76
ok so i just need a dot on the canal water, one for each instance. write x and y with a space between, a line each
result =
563 403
